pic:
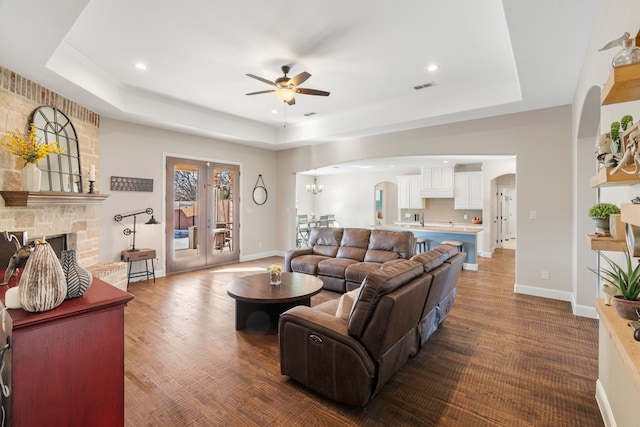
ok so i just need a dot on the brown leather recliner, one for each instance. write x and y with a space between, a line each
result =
350 360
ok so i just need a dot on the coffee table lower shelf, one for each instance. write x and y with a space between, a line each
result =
257 315
258 304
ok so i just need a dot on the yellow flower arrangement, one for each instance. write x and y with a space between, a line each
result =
27 146
274 268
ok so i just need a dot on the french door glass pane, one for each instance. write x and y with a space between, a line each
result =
185 211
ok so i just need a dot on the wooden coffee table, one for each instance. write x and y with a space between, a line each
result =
257 299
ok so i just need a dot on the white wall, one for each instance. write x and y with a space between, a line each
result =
350 197
137 151
540 139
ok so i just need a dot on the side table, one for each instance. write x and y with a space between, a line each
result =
143 254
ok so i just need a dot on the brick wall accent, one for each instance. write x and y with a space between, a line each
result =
21 86
19 96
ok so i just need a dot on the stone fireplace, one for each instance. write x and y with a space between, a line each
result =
18 98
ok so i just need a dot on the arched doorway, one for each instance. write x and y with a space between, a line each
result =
385 207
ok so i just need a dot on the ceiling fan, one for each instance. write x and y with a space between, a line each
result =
287 87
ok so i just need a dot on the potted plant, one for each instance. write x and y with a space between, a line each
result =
627 281
600 213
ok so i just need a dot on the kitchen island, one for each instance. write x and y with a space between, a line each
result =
435 233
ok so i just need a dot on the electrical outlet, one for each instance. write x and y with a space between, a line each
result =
544 275
532 214
407 215
465 217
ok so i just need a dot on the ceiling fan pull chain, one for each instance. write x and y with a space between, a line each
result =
285 115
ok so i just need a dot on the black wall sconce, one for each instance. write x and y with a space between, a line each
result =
127 231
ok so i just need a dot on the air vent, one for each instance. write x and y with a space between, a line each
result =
309 114
426 85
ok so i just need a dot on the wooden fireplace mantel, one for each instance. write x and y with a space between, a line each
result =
28 199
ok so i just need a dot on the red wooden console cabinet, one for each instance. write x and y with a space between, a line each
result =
65 367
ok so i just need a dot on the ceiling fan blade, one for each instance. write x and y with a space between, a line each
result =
311 91
261 79
262 91
299 79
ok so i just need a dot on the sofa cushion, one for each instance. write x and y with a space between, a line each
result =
334 267
401 242
358 271
354 244
307 264
325 240
447 250
377 284
346 303
380 256
430 259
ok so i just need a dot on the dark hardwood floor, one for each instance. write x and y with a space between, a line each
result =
499 359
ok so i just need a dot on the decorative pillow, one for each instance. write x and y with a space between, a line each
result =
346 303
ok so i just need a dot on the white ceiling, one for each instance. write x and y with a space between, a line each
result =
495 57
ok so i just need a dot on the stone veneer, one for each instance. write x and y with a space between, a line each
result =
18 98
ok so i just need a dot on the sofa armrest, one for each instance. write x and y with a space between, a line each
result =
291 254
320 322
317 351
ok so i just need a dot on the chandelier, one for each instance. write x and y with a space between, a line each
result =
314 188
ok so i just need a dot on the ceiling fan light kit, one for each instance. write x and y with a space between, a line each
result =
286 88
285 95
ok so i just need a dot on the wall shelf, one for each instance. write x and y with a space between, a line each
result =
604 179
623 85
28 199
605 243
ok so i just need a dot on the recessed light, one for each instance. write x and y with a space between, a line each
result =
433 67
141 66
274 111
445 161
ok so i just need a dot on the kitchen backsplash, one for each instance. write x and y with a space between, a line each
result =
439 210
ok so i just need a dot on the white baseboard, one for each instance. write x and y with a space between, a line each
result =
584 311
467 266
260 255
605 407
542 292
578 310
485 254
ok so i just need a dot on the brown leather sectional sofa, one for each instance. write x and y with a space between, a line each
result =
343 257
348 352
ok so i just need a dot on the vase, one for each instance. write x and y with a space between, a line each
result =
78 278
275 278
629 54
42 284
31 175
626 309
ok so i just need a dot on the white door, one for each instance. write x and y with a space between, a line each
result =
508 212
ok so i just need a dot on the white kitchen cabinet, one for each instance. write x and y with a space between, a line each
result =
468 190
437 183
409 192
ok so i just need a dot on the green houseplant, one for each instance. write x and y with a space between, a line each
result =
626 280
600 212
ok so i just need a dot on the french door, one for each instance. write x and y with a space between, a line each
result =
202 227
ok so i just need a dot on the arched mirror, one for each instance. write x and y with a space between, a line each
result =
61 172
260 192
